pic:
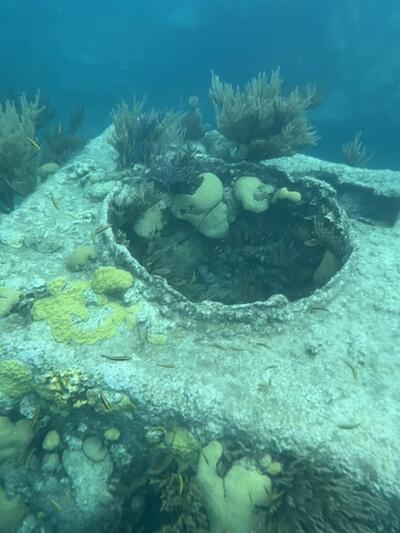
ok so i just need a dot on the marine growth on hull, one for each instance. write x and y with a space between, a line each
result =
232 233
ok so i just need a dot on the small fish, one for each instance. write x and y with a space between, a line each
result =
53 201
353 369
160 429
272 494
205 457
165 365
117 357
101 228
215 345
193 279
312 242
263 387
55 504
227 347
264 345
181 484
269 367
349 426
107 405
318 308
35 417
11 185
33 143
236 348
223 486
29 457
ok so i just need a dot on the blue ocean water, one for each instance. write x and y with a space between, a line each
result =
92 54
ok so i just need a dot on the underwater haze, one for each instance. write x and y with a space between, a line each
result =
92 54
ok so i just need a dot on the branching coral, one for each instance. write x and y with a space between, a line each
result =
355 153
310 497
125 135
64 141
19 153
172 476
173 257
177 172
140 136
182 503
192 120
263 121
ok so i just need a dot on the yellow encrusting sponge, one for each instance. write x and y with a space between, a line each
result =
80 311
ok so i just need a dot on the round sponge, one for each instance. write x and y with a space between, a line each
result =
204 209
108 279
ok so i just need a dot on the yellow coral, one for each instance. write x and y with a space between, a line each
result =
65 390
56 285
15 379
105 401
109 279
72 319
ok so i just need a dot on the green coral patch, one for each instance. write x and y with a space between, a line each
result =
109 279
15 379
75 314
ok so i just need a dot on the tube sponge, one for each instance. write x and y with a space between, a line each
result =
284 194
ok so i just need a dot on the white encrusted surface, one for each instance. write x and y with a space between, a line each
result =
299 383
